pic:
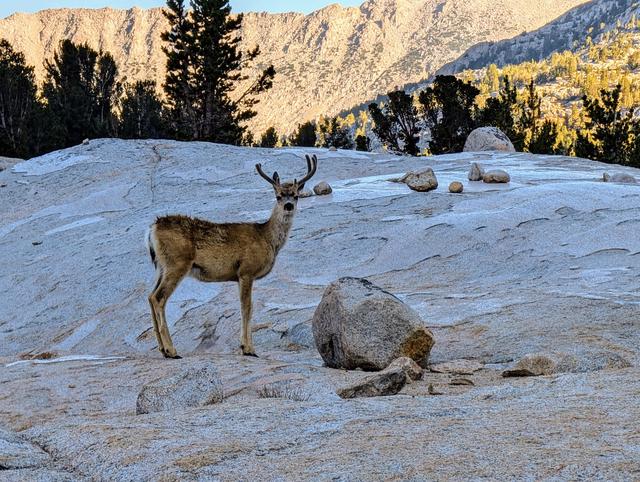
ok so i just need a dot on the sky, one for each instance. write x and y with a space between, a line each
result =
7 7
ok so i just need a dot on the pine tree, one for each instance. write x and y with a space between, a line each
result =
269 138
449 109
204 66
363 143
531 112
80 89
141 112
19 106
545 139
609 133
333 134
305 135
396 123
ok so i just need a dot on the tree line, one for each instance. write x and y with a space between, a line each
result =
82 96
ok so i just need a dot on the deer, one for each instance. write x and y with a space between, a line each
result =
182 246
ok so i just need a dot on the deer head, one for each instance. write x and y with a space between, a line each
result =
287 193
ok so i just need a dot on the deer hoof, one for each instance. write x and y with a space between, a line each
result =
247 352
168 354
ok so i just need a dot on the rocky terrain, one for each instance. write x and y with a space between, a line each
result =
544 265
330 60
567 32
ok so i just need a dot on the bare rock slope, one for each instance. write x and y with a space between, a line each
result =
546 264
327 61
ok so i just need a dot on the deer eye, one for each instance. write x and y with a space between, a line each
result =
279 198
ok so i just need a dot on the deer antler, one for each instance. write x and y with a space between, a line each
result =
312 165
276 179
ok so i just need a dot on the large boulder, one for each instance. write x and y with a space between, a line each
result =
193 387
422 180
359 325
488 139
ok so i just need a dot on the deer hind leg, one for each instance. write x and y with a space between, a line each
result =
154 313
246 340
167 284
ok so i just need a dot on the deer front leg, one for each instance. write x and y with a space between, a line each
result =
246 340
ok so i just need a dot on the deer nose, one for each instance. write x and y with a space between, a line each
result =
288 207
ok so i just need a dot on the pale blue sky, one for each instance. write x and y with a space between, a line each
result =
7 7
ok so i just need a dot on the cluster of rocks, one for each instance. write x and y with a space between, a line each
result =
482 139
321 189
358 325
494 176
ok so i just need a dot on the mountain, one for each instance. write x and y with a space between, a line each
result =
568 32
327 61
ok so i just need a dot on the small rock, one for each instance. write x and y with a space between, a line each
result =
422 181
36 243
322 188
496 176
619 177
305 193
359 325
488 139
384 383
332 149
457 367
85 142
411 369
476 172
456 187
533 365
194 387
433 391
461 381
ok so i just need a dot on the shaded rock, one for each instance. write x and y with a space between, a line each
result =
7 162
387 382
496 176
411 369
457 367
476 172
456 187
16 453
533 365
422 181
322 188
619 177
359 325
194 387
488 139
537 364
333 149
305 193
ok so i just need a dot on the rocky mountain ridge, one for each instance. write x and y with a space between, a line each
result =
327 61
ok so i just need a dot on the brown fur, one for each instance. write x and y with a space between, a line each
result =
182 246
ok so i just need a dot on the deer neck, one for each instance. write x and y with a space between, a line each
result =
278 227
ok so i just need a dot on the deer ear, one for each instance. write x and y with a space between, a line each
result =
276 177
